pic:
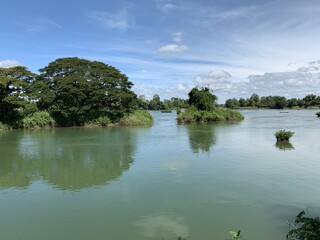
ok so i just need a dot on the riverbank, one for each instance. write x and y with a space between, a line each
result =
43 119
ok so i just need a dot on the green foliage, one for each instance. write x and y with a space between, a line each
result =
192 114
157 104
136 118
318 114
232 103
275 102
4 126
304 228
202 99
103 121
78 90
38 120
14 100
283 135
235 235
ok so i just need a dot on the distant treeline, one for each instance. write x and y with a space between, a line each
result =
157 104
273 102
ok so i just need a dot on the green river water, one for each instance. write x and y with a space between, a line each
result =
169 180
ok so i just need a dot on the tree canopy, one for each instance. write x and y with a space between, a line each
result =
14 88
202 98
78 90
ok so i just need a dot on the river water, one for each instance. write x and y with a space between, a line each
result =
161 182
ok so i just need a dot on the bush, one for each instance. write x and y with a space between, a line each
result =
4 126
103 121
303 227
38 120
318 114
136 118
283 135
217 114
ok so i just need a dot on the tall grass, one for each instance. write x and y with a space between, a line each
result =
283 135
137 118
4 126
38 120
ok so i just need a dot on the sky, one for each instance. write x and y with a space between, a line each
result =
167 47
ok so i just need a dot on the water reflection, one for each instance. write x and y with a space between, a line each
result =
284 146
163 226
69 159
201 137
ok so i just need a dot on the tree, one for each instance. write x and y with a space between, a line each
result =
78 90
14 88
242 102
232 103
155 103
280 102
310 100
254 100
202 99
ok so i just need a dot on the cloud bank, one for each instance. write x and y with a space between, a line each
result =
9 63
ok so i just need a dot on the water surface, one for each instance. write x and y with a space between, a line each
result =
169 180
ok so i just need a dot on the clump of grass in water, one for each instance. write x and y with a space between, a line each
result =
283 135
235 235
318 114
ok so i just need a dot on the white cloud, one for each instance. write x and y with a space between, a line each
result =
40 24
165 5
177 37
173 48
118 20
164 225
215 80
9 63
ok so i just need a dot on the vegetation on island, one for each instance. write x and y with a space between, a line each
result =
283 136
203 108
273 102
67 92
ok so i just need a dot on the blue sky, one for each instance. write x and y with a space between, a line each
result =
167 47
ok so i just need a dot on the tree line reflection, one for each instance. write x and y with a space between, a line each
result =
68 159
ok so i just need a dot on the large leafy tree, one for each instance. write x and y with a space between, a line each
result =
78 90
15 102
202 98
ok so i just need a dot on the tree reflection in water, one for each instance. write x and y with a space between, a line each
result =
68 159
201 137
284 146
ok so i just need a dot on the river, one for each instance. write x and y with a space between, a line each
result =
161 182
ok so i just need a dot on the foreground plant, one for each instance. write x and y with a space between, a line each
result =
303 227
283 135
235 235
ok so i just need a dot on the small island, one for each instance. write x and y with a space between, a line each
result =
68 92
203 108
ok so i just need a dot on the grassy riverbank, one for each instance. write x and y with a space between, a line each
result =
43 119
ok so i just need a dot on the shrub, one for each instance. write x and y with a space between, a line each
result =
103 121
192 114
318 114
303 227
4 126
137 118
38 120
283 135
